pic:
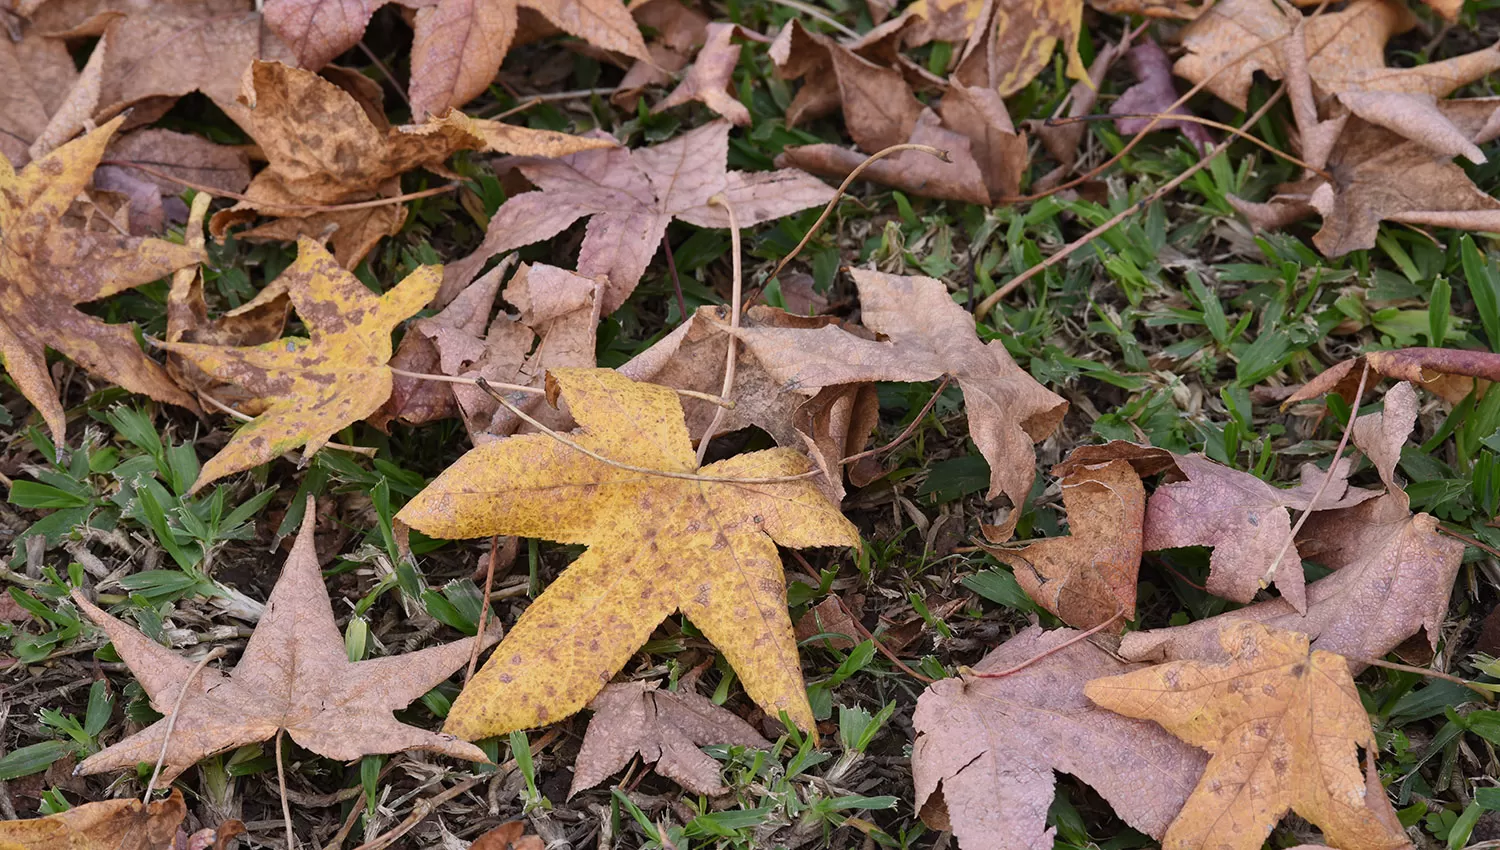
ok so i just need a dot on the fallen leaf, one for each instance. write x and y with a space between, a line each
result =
325 148
1447 372
656 546
295 675
1245 520
508 836
830 423
1346 50
48 267
680 29
311 388
104 825
926 336
317 31
979 115
1153 94
665 728
459 44
879 105
414 401
44 102
829 617
1088 577
709 79
1062 141
630 196
1393 571
1282 722
223 168
986 748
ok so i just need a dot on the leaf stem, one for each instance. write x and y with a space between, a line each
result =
286 811
166 738
733 346
263 205
224 408
1039 656
522 388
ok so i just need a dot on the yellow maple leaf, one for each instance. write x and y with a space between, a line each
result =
1282 724
48 266
310 388
657 545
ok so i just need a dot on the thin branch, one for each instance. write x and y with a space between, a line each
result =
166 738
666 245
994 298
844 187
733 347
275 209
931 402
1489 695
1194 119
484 607
390 78
660 473
522 388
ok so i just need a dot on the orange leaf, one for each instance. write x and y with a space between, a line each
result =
105 825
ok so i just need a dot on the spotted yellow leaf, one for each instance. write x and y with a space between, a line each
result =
310 388
657 545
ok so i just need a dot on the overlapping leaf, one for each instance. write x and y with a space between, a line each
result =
105 825
657 545
310 388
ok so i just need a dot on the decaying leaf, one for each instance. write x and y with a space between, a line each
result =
508 836
657 545
459 44
325 148
311 388
878 105
927 335
986 748
1245 520
1154 93
829 423
105 825
1282 723
1393 570
709 79
48 267
1447 372
154 200
43 103
629 197
295 675
1089 576
665 728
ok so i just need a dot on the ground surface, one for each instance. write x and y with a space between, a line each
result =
1124 341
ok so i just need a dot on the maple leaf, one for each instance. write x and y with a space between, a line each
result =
657 545
47 268
1245 520
926 336
986 748
1346 50
630 197
829 423
1393 571
103 825
311 388
665 728
709 79
1088 577
45 100
1282 722
295 675
1379 175
325 148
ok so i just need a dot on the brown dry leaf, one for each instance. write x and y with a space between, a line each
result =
1245 520
629 197
986 748
1346 53
1447 372
45 101
459 44
414 401
311 388
317 31
665 728
555 328
325 148
926 336
1282 722
1153 94
49 267
154 200
829 617
508 836
709 79
829 424
879 107
294 675
1393 570
1088 577
656 545
105 825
